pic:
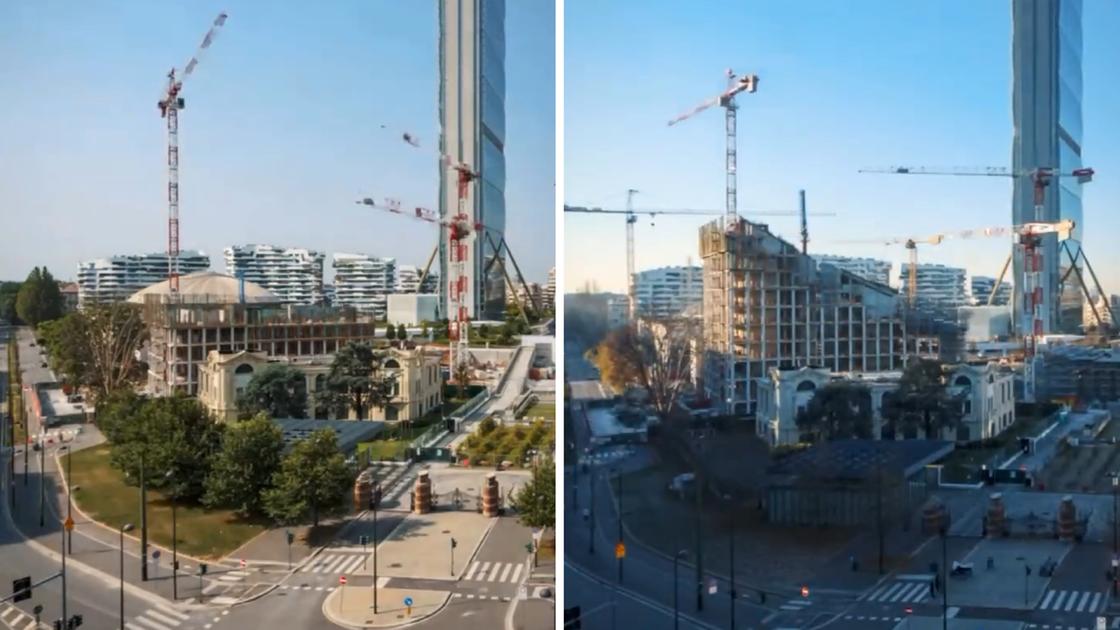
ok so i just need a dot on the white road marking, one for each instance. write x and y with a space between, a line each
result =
505 572
470 571
354 565
151 624
516 572
171 611
155 614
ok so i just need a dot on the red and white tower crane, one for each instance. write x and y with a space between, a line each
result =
169 106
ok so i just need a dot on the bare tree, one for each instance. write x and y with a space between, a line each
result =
654 354
115 334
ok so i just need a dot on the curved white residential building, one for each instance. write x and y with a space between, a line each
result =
364 282
116 278
293 274
408 280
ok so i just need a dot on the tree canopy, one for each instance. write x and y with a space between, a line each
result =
655 357
313 480
357 382
39 298
837 411
536 500
96 347
922 402
244 466
172 434
9 293
279 390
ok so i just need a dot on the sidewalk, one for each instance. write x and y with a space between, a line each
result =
352 606
536 612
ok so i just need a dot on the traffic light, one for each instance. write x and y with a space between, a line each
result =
21 589
454 543
202 569
77 620
291 537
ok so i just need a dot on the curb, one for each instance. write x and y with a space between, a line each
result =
481 541
335 620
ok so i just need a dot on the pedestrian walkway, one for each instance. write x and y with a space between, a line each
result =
495 598
1074 601
15 618
608 455
306 587
493 572
797 604
157 618
340 563
910 591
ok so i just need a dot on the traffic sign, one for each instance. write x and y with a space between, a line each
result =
243 563
342 579
69 524
620 550
712 587
1102 623
21 589
408 601
805 591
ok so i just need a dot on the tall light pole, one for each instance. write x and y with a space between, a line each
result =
620 559
591 518
376 500
731 565
70 488
143 522
175 542
42 477
944 578
127 527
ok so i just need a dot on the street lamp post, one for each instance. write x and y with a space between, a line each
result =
175 543
944 578
42 478
620 559
731 566
676 590
575 475
375 550
127 527
591 519
143 522
70 488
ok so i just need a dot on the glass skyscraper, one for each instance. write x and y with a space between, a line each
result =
472 90
1046 108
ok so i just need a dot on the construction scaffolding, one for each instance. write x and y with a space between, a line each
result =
784 312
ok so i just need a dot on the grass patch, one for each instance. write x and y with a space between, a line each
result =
493 443
383 449
105 497
545 411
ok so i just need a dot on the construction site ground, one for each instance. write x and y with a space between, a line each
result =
1084 468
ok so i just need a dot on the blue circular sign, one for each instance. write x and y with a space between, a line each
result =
408 601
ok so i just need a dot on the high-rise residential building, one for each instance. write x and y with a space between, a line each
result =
980 288
941 289
295 275
550 291
1046 116
1102 307
116 278
364 282
408 280
669 292
867 268
473 132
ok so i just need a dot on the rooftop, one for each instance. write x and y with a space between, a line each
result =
208 286
859 459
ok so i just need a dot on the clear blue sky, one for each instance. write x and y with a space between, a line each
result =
843 85
281 133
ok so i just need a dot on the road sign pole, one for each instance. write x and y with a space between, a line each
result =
375 559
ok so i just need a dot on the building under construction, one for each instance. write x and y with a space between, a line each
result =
786 312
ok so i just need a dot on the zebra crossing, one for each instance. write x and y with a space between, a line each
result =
480 571
341 563
13 617
908 591
608 455
157 618
1074 601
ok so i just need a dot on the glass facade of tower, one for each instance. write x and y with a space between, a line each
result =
1046 104
473 131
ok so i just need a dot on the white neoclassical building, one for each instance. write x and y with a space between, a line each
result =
985 391
417 391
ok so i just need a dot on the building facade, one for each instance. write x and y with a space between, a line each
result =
1046 91
786 312
408 280
980 288
668 292
473 132
116 278
941 289
871 269
295 275
550 291
417 390
213 312
364 282
985 392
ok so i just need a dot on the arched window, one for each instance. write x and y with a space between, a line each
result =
320 382
391 364
244 368
962 381
806 386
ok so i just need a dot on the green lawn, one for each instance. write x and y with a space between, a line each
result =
547 411
383 449
105 497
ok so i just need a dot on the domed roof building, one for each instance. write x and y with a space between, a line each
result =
208 287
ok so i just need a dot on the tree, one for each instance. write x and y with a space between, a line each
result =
463 378
39 298
837 411
96 347
483 330
922 402
313 480
9 292
279 390
424 330
655 357
244 467
536 500
357 381
390 332
402 332
169 434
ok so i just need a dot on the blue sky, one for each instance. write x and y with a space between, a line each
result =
843 85
282 129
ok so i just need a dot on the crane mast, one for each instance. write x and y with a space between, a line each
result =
169 107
